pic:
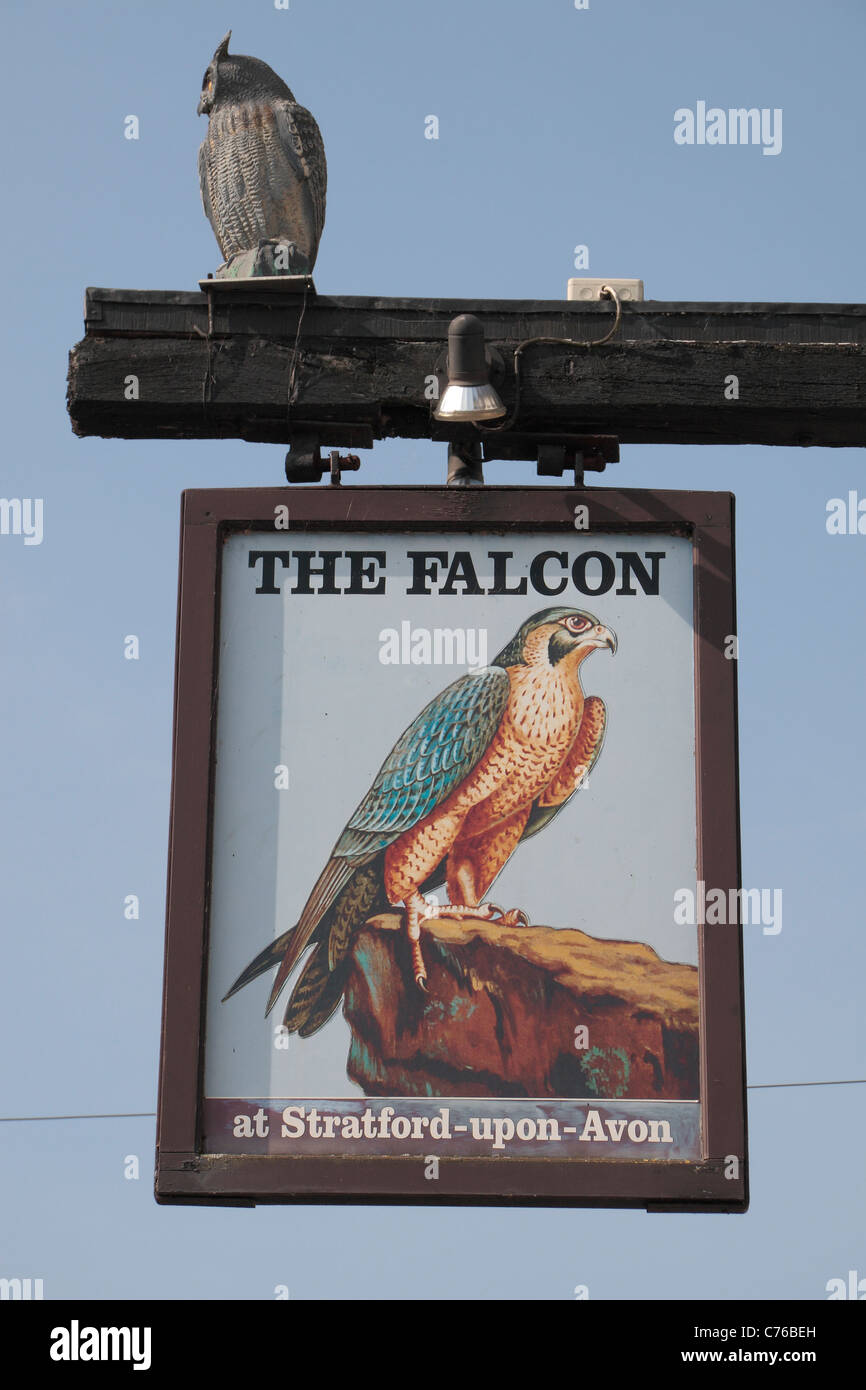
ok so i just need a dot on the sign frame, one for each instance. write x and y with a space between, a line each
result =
187 1174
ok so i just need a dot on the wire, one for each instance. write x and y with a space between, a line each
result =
608 292
151 1114
293 365
772 1085
109 1115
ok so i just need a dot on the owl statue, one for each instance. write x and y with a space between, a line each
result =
261 169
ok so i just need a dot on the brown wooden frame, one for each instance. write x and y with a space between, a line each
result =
183 1172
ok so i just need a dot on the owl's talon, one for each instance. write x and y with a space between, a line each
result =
421 982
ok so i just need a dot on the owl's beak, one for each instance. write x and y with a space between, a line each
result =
200 109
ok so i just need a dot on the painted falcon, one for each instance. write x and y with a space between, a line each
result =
489 762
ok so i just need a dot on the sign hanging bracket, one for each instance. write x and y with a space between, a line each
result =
556 454
304 461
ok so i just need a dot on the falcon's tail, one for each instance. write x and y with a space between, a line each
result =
317 994
265 960
319 988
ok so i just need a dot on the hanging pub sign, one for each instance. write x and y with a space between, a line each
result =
455 778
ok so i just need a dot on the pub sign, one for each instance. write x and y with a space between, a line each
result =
455 773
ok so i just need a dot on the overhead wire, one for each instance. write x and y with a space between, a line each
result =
151 1114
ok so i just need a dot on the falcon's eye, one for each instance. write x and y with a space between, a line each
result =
575 624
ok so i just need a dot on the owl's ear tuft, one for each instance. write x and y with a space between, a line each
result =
223 50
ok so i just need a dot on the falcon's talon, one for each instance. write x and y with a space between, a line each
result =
514 917
419 969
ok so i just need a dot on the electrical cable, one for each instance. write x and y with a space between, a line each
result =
151 1114
608 292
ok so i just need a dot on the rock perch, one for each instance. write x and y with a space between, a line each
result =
516 1011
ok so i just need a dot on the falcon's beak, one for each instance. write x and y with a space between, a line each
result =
601 636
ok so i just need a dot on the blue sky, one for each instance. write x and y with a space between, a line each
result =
556 129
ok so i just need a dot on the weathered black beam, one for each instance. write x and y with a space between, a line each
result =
220 364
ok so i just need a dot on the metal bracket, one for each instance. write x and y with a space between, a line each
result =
556 454
583 453
291 285
349 462
464 465
304 462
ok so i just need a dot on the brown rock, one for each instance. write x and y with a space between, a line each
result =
501 1011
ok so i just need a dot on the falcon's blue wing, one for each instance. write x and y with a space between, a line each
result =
433 756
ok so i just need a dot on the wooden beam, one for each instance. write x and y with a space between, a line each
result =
219 365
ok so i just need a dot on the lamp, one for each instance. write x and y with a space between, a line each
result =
469 394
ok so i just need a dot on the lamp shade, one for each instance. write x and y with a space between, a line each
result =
469 394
